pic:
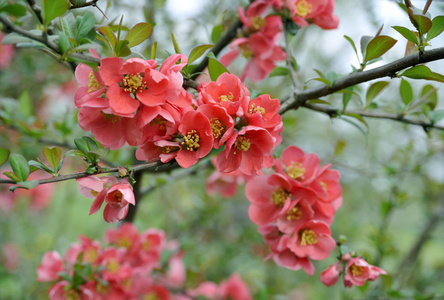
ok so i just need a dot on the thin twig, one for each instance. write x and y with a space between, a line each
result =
293 74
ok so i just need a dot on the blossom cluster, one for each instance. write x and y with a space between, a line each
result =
118 195
130 266
131 101
263 26
356 271
294 207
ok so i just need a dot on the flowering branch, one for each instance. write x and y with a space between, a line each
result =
390 69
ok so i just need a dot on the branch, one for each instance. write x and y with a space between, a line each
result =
150 167
37 11
300 98
332 112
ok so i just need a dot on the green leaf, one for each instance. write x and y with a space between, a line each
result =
279 71
14 10
153 50
29 184
378 46
217 32
122 48
374 90
75 153
139 33
69 25
436 115
11 175
84 25
64 43
432 98
359 118
176 44
4 154
418 72
364 42
421 23
41 166
109 35
25 104
406 92
215 68
198 52
352 44
53 156
14 38
53 8
437 28
407 33
19 166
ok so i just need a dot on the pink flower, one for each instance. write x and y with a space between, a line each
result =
222 124
358 271
125 236
59 291
234 288
319 12
245 151
118 197
262 111
90 249
254 20
197 138
50 267
300 167
331 275
225 183
313 240
6 53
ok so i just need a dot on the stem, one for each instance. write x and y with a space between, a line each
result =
293 75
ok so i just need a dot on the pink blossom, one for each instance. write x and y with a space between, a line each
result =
245 151
254 20
225 183
6 53
160 149
50 267
125 236
331 275
90 249
358 271
234 288
262 111
319 12
222 124
118 197
59 291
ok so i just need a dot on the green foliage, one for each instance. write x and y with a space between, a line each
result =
215 68
19 166
4 155
53 8
197 52
139 33
374 90
406 92
378 46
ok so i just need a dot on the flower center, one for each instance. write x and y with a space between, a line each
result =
324 185
124 242
294 214
133 83
110 117
308 237
257 22
102 289
295 170
191 141
118 196
242 143
93 84
91 255
356 270
304 8
150 296
113 265
168 149
159 121
94 193
72 295
246 51
279 196
256 108
217 128
228 97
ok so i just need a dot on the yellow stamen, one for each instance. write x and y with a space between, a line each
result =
304 8
246 51
113 265
242 143
71 295
110 117
356 270
93 84
308 237
159 121
256 108
294 214
217 128
118 196
124 242
102 289
257 22
228 97
91 255
168 149
191 140
324 185
94 193
295 170
133 83
279 196
150 296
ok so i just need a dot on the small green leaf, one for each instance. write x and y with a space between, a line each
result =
75 153
215 68
14 38
422 23
359 118
217 32
14 10
378 46
436 115
364 42
64 43
374 90
406 92
69 25
198 52
19 166
53 156
279 71
352 44
407 33
84 25
29 184
53 8
25 104
122 48
176 44
109 35
432 98
153 50
437 28
418 72
11 175
4 154
139 33
41 166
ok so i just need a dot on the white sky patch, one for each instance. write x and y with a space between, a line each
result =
182 9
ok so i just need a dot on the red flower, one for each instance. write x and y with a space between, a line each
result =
358 271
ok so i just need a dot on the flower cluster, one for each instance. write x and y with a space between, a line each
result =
130 101
262 28
129 267
295 207
356 272
118 195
